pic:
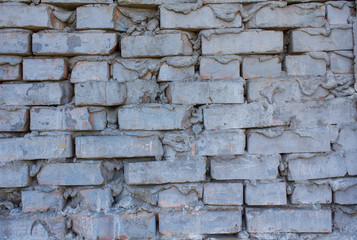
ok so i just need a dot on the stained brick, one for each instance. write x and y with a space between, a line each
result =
10 72
90 71
15 41
44 69
211 68
261 193
96 199
35 200
223 193
14 176
14 119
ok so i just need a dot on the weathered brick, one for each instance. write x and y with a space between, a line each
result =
315 167
156 46
285 220
311 194
169 73
341 62
35 200
308 140
14 119
68 174
346 196
302 41
159 172
14 176
117 146
67 118
121 226
124 70
351 162
221 91
14 41
243 116
69 44
76 2
31 148
35 93
96 199
32 227
200 222
157 117
245 167
286 89
338 12
231 43
102 93
223 193
10 72
292 16
230 1
25 16
44 69
211 68
151 2
174 198
95 17
202 18
260 193
141 91
126 18
304 65
345 219
212 143
347 139
261 66
90 71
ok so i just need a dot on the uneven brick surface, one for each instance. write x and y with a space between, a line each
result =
178 119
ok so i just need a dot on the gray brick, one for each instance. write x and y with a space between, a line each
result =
151 2
345 219
223 194
347 139
140 225
305 65
292 16
14 119
200 222
10 72
102 93
117 146
315 167
210 68
261 66
90 71
44 69
35 93
202 18
260 193
13 176
338 39
309 140
156 46
67 118
24 16
285 220
32 227
212 143
76 2
174 198
157 117
14 41
230 43
35 200
222 91
71 174
347 196
311 194
31 148
250 115
169 73
246 167
341 62
351 162
338 14
141 91
69 44
231 1
96 199
160 172
95 17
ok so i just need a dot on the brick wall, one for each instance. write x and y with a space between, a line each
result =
177 119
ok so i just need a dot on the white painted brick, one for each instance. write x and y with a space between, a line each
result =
44 69
231 43
220 91
339 14
90 71
341 62
202 18
245 167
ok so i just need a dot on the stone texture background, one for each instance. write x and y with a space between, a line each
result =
178 119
